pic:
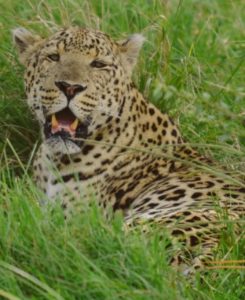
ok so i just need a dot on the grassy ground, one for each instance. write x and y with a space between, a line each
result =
192 66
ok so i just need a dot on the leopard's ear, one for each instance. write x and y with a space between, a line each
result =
25 42
130 48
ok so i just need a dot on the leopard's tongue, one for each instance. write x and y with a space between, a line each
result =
64 121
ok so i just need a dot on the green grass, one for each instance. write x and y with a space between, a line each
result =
192 66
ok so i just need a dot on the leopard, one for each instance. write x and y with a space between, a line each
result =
102 139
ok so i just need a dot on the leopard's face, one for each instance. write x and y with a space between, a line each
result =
74 80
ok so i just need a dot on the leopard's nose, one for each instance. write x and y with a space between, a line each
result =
70 90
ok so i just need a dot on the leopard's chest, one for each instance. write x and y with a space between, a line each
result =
69 189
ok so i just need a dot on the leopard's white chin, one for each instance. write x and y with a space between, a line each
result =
64 146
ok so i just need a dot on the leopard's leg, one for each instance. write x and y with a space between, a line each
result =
198 234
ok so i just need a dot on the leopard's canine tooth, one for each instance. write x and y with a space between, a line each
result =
54 121
74 125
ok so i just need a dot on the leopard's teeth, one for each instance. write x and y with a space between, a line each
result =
54 122
74 125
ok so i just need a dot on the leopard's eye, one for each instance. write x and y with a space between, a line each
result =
98 64
54 57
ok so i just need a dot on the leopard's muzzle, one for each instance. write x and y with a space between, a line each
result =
66 126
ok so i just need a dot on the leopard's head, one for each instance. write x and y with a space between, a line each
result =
74 80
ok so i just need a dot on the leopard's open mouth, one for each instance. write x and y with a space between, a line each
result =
65 124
